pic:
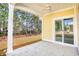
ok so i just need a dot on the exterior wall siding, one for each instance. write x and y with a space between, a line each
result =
47 22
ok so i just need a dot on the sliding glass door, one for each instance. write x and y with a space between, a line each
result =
64 31
68 31
58 30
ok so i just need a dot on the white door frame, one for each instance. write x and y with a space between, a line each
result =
53 31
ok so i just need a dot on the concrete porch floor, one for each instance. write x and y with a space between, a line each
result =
44 48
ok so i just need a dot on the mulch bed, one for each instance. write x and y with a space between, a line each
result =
15 36
4 38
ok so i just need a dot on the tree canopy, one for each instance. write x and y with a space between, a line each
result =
3 18
26 21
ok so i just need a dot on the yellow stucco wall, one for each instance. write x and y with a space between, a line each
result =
48 22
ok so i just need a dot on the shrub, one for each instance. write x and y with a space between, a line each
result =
23 32
1 34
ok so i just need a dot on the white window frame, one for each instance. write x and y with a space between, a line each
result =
53 31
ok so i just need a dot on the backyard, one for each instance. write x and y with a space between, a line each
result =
26 28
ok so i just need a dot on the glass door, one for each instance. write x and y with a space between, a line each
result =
64 31
58 30
68 31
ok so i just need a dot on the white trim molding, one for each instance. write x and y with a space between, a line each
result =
61 10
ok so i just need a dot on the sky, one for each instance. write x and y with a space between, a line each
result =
68 21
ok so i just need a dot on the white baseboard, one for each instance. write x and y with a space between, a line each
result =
47 40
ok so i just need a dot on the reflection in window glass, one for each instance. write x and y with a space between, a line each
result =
68 30
58 30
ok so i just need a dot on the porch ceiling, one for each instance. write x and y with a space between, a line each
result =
42 8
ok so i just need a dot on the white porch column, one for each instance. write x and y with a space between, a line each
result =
10 29
76 32
75 25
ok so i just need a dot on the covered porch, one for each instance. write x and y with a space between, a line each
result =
47 12
45 48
